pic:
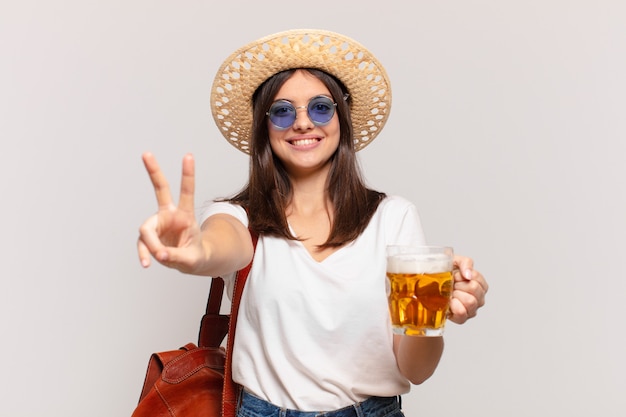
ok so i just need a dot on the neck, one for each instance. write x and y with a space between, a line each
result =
309 195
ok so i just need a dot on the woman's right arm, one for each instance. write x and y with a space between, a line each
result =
173 237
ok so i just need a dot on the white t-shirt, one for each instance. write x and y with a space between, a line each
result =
317 335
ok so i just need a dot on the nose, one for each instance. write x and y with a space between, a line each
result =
302 121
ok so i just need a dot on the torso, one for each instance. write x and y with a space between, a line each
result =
315 334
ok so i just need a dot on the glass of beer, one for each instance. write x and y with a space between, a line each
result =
419 287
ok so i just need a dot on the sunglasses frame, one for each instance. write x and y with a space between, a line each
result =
295 111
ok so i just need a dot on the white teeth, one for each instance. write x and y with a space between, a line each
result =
302 142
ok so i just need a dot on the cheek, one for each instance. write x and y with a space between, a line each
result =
275 139
333 130
271 133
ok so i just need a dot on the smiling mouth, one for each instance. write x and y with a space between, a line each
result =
303 142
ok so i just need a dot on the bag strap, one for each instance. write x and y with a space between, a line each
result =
214 326
230 390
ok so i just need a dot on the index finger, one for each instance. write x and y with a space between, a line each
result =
161 187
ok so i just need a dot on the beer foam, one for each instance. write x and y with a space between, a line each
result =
419 264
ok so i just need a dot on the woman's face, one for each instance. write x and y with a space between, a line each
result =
304 148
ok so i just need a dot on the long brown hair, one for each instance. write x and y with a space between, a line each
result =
269 189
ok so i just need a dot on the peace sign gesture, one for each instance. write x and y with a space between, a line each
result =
172 235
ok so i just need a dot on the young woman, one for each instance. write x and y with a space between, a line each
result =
313 333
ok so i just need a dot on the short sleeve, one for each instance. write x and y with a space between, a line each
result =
210 208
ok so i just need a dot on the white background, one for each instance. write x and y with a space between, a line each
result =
508 131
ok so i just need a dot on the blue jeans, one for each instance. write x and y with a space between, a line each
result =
251 406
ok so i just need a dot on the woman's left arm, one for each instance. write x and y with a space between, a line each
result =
469 291
418 357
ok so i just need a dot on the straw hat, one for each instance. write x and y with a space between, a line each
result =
248 67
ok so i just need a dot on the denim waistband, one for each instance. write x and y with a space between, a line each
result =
252 406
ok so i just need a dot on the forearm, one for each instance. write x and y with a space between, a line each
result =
227 246
417 356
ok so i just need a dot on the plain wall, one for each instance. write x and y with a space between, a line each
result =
507 130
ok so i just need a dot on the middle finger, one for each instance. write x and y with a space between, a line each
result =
473 288
187 184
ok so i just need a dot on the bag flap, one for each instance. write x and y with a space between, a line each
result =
190 362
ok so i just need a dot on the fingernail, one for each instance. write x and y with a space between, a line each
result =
145 263
468 274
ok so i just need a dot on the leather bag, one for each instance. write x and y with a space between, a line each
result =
196 380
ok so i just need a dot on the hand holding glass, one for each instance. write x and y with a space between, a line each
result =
419 287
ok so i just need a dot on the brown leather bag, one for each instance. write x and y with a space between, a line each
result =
196 381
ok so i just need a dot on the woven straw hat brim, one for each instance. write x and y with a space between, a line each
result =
248 67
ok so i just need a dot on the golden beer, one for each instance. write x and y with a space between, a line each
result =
419 288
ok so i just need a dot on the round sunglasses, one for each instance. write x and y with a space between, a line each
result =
282 113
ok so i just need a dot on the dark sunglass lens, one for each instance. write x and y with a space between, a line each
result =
321 110
282 114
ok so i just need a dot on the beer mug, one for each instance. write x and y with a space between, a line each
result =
419 287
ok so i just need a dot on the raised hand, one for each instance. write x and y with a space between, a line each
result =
172 236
